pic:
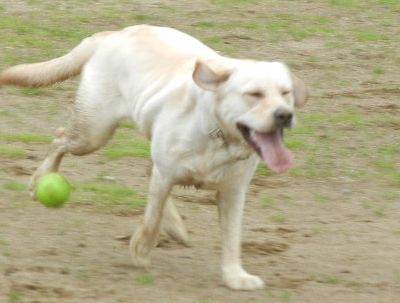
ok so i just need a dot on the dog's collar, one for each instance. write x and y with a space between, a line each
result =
216 133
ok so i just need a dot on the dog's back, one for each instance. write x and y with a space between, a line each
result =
158 49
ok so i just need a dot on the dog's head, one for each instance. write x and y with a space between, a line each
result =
255 101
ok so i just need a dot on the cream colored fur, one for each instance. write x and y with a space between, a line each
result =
178 91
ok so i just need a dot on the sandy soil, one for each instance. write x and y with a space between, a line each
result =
306 251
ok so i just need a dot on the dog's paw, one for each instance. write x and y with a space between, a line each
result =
139 250
241 280
140 261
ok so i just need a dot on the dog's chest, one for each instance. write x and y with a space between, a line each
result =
212 165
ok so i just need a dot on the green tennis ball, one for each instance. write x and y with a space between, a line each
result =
53 190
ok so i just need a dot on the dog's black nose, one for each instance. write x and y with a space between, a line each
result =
283 117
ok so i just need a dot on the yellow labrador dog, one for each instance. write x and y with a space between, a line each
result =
210 119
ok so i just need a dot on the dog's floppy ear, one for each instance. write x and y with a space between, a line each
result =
209 74
300 91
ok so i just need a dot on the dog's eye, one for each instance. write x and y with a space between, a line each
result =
255 94
286 92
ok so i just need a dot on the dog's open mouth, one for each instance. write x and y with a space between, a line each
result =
269 146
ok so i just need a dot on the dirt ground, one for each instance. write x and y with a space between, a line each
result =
327 232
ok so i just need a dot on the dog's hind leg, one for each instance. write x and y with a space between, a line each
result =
173 224
97 111
86 133
57 150
145 237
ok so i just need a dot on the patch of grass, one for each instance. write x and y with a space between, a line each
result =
29 30
144 18
384 120
27 91
43 39
378 70
349 116
385 162
385 168
320 198
220 44
315 166
318 137
108 194
295 143
144 279
348 3
268 202
310 122
15 296
279 218
313 59
305 127
136 147
336 44
2 241
25 137
369 35
389 149
286 295
5 248
366 204
205 24
80 274
127 124
249 25
297 27
324 278
300 33
6 113
389 2
391 195
378 209
263 170
126 144
14 186
12 151
7 253
329 279
233 2
395 178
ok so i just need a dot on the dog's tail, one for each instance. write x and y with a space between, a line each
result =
55 70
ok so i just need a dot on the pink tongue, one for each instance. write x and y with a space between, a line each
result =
273 153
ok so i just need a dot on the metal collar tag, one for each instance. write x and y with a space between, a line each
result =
216 133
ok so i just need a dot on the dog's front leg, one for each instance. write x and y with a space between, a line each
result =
145 237
230 205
